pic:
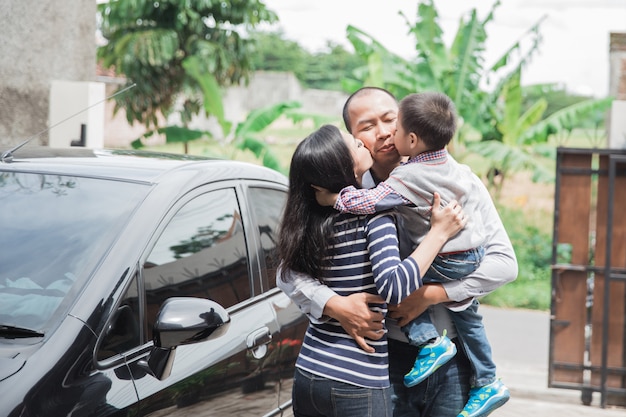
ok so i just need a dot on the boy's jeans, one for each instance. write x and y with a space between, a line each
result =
468 323
443 394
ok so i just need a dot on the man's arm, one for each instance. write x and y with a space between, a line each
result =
306 292
499 265
319 303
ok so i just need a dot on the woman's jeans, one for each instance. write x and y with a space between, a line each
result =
468 322
316 396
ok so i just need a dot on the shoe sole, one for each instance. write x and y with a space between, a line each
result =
439 362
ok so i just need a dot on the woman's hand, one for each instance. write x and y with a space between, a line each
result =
448 220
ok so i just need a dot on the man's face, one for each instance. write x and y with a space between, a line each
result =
373 121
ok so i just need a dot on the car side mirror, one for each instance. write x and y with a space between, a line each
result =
183 321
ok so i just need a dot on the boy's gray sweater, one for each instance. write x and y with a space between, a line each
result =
416 181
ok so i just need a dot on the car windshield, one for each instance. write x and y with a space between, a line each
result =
53 232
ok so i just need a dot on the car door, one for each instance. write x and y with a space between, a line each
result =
266 204
206 251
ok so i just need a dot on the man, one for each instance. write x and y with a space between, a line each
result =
370 115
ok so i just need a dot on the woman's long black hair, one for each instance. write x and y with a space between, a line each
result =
322 158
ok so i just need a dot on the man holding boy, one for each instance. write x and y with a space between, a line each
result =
370 115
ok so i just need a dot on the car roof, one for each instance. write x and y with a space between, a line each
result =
129 165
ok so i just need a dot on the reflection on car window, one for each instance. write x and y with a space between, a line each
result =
201 253
55 229
123 331
267 206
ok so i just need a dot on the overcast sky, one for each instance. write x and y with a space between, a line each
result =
575 48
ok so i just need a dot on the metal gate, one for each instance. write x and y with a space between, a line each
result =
588 313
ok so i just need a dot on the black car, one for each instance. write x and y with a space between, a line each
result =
138 284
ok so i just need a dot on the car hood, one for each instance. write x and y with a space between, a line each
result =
13 357
10 366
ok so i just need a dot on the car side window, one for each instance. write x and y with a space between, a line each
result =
267 206
201 253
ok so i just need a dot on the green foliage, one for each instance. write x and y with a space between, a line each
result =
396 75
326 69
533 248
258 120
512 131
592 120
566 119
272 52
521 293
149 42
459 70
322 70
212 103
556 95
246 135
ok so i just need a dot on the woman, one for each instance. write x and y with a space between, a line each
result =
350 254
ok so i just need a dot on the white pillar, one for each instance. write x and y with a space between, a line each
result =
617 128
616 122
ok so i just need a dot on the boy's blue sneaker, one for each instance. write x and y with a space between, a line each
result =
483 400
429 359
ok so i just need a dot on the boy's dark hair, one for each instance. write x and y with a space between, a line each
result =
431 116
358 93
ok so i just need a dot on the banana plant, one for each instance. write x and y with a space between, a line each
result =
488 98
210 100
522 139
458 71
243 137
246 135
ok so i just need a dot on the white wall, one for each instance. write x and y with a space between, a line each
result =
617 125
264 89
73 103
41 40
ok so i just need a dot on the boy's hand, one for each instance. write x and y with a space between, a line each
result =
449 219
325 197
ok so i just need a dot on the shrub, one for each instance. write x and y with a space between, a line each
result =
533 248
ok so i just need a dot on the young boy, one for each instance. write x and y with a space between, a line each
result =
426 124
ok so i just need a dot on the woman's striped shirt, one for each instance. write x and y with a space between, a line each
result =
364 257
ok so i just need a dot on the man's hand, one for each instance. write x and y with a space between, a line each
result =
355 316
325 197
416 303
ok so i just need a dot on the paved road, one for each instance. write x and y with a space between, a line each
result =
520 343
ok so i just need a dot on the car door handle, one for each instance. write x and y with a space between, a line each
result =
259 337
257 342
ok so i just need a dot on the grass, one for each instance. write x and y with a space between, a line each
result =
533 248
